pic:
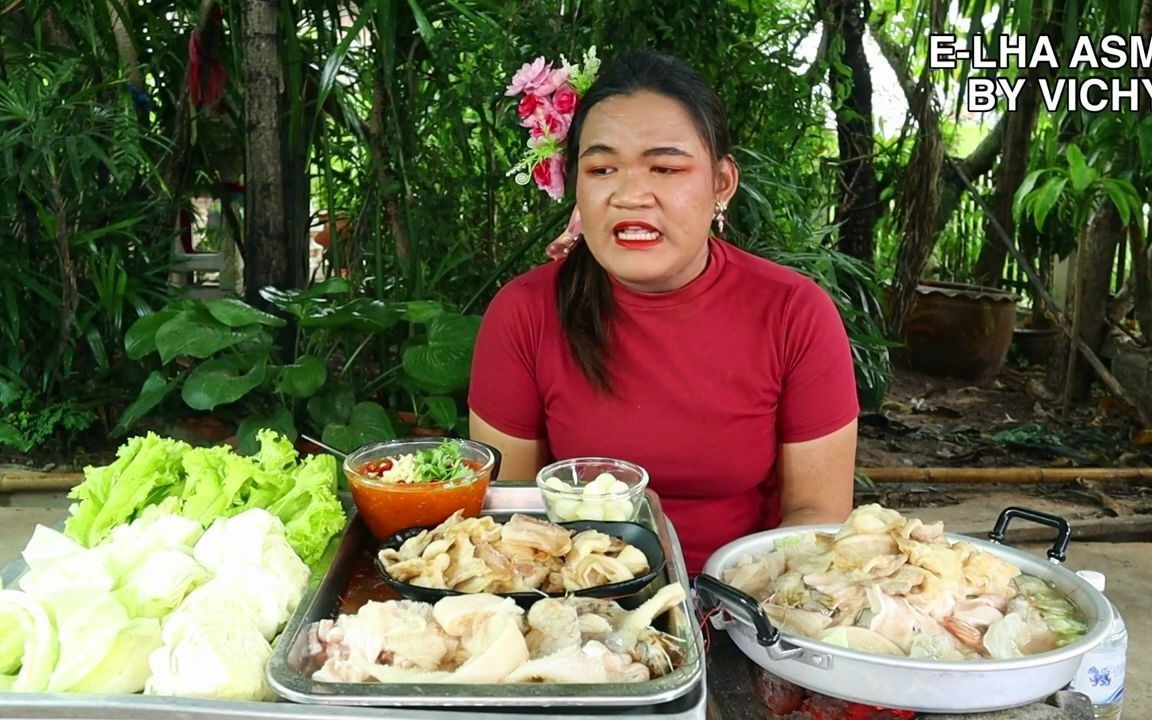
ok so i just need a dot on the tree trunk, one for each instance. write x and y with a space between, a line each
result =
1141 281
1010 174
917 201
1141 274
955 173
858 207
1089 296
266 259
1016 148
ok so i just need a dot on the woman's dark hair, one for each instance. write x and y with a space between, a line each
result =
583 291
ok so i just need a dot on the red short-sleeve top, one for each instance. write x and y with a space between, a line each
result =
708 381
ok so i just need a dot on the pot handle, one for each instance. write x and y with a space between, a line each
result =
1059 550
714 594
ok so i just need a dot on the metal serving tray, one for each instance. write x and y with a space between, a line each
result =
290 674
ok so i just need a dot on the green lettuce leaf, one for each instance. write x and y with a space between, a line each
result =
145 468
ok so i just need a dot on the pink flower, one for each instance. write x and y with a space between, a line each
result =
541 109
549 176
552 124
537 78
565 99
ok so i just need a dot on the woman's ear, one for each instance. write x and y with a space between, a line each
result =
727 179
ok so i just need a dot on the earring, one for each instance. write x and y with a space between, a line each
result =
721 206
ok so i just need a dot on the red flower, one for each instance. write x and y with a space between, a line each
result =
565 99
527 106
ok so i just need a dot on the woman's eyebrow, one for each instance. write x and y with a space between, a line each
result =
667 150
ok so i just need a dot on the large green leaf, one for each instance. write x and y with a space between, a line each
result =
220 381
1078 171
454 330
1046 198
422 311
10 435
362 315
304 377
237 313
140 340
9 392
369 423
280 421
438 369
442 409
189 334
155 389
332 407
331 286
444 363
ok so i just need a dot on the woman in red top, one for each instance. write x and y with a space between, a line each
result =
725 375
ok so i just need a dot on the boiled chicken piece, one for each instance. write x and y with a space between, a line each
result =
755 574
915 529
399 631
553 626
586 543
537 533
593 571
590 663
796 621
872 518
632 632
986 573
893 618
634 559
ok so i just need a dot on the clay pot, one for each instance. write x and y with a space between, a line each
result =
959 330
1036 345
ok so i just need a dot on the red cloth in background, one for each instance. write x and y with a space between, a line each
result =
207 77
709 380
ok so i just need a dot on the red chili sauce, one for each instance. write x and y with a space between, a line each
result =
388 508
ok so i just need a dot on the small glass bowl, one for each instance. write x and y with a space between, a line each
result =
390 507
578 489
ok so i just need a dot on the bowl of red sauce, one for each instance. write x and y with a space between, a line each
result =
412 482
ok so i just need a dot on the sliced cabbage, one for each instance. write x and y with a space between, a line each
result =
85 571
160 526
160 583
48 546
124 669
220 657
87 627
28 648
254 543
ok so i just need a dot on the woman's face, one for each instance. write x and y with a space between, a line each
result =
647 190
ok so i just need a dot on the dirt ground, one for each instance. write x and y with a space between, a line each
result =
1012 421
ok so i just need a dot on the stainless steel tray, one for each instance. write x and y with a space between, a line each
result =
290 675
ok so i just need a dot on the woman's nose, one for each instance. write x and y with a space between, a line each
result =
633 190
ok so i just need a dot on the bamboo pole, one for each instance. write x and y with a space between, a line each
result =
12 481
1005 475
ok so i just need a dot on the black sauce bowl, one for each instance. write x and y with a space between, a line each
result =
634 534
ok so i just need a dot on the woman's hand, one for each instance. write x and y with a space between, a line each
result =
817 478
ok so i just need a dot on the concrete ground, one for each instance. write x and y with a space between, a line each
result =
1127 565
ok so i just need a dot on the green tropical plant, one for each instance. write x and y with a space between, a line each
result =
773 217
348 364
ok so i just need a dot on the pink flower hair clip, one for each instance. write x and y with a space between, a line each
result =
549 98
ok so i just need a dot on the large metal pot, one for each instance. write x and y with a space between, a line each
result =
900 682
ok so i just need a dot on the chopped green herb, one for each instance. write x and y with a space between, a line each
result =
443 463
